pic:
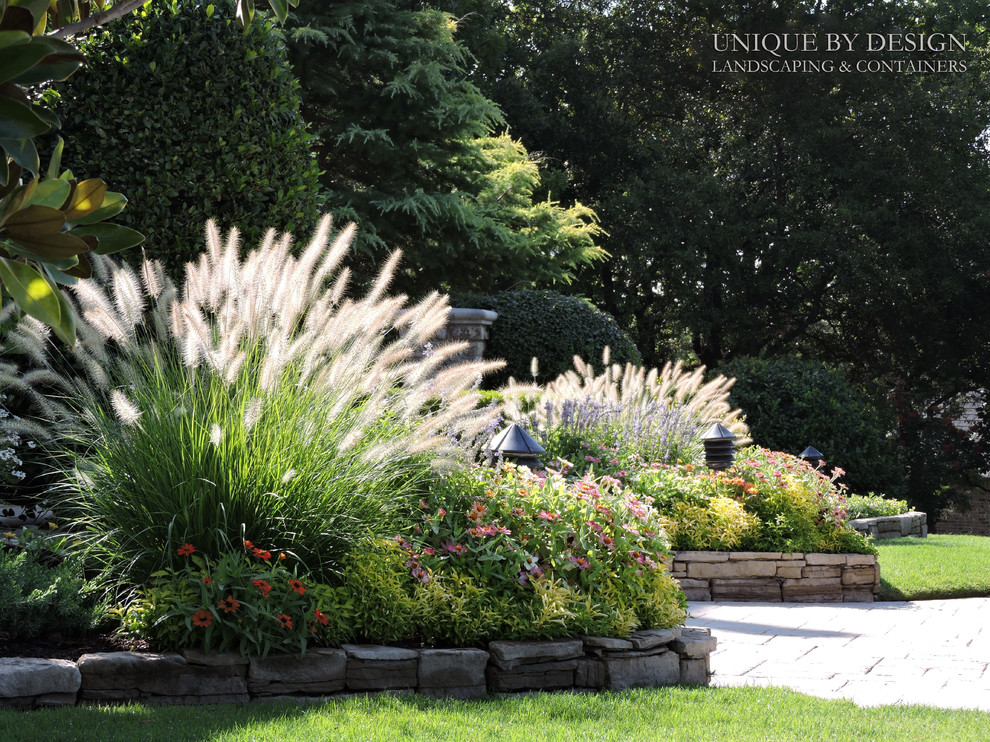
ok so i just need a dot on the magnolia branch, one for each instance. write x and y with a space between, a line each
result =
98 19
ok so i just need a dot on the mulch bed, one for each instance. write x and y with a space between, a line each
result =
72 648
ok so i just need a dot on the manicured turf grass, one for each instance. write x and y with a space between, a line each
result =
669 714
936 567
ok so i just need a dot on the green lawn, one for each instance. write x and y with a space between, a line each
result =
934 567
669 714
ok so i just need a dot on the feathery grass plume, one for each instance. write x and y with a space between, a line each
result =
658 415
190 407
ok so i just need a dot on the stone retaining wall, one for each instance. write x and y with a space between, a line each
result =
647 658
892 526
776 576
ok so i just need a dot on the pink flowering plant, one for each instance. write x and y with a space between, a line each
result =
245 600
784 504
589 547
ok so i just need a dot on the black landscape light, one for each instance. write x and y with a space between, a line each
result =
720 451
812 455
518 446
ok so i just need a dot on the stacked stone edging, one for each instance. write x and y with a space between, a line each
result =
893 526
776 576
647 658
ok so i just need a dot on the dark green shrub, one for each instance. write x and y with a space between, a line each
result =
41 599
551 326
791 403
191 118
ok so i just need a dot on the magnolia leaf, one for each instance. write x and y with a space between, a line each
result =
18 121
281 8
87 198
83 270
13 38
32 222
24 152
55 164
245 13
55 246
36 296
4 170
19 59
51 193
113 237
18 19
113 204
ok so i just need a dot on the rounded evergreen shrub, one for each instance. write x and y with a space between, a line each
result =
191 118
791 403
552 327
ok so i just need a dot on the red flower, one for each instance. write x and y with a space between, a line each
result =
297 586
263 586
266 555
207 581
248 545
185 550
286 621
322 617
229 605
202 617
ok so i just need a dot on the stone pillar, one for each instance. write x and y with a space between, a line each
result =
472 326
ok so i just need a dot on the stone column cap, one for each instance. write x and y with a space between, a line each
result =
459 315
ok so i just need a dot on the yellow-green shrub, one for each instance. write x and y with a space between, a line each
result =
720 524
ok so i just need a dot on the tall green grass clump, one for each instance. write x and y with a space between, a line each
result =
259 403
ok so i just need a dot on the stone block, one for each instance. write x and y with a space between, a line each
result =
694 643
510 654
215 659
810 586
539 676
651 638
858 560
450 668
767 589
687 583
694 672
318 672
703 570
814 598
701 556
125 675
859 576
700 594
38 681
372 667
818 572
590 673
642 671
741 556
824 559
789 572
606 642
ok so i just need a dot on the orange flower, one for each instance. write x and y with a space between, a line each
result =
248 545
266 555
263 586
286 621
281 556
229 605
297 586
202 617
185 550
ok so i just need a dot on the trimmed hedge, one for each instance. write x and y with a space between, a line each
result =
791 403
551 326
191 118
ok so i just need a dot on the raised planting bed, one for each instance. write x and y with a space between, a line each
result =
892 526
645 659
776 576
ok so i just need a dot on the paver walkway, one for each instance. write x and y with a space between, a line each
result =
935 653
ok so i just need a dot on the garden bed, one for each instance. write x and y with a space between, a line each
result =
777 576
645 659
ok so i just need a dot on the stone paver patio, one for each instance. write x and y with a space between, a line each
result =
933 653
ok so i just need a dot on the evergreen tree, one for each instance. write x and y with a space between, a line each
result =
408 151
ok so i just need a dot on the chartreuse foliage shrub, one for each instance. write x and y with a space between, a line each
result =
791 403
625 416
874 506
191 117
782 504
256 403
42 596
549 326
